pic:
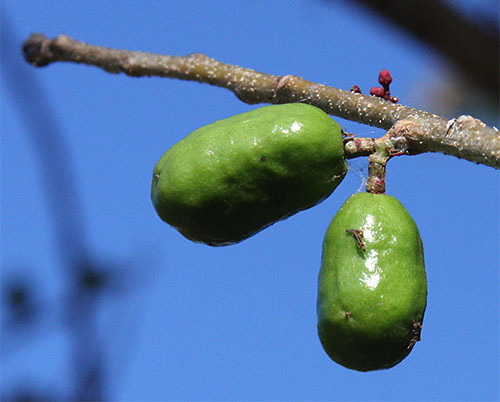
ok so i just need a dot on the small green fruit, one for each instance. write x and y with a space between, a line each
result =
372 284
230 179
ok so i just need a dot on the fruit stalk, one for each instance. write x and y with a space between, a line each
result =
377 163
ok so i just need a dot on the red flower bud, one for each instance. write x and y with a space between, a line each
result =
377 91
385 78
355 89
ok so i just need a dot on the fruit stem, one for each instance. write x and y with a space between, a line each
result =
377 162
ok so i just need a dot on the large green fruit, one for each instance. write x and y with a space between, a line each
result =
230 179
372 284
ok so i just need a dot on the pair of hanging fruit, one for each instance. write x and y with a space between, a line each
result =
233 178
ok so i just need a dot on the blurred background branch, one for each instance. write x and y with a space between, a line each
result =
83 278
472 46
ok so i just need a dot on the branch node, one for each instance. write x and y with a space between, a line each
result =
282 86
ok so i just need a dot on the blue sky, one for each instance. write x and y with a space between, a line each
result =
234 323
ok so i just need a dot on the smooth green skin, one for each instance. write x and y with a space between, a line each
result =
230 179
371 303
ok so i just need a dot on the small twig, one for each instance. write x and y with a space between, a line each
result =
422 132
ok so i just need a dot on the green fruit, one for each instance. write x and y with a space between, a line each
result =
230 179
372 284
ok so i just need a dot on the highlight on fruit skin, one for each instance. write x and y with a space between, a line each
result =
372 291
228 180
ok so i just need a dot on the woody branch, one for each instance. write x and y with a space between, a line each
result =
411 131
